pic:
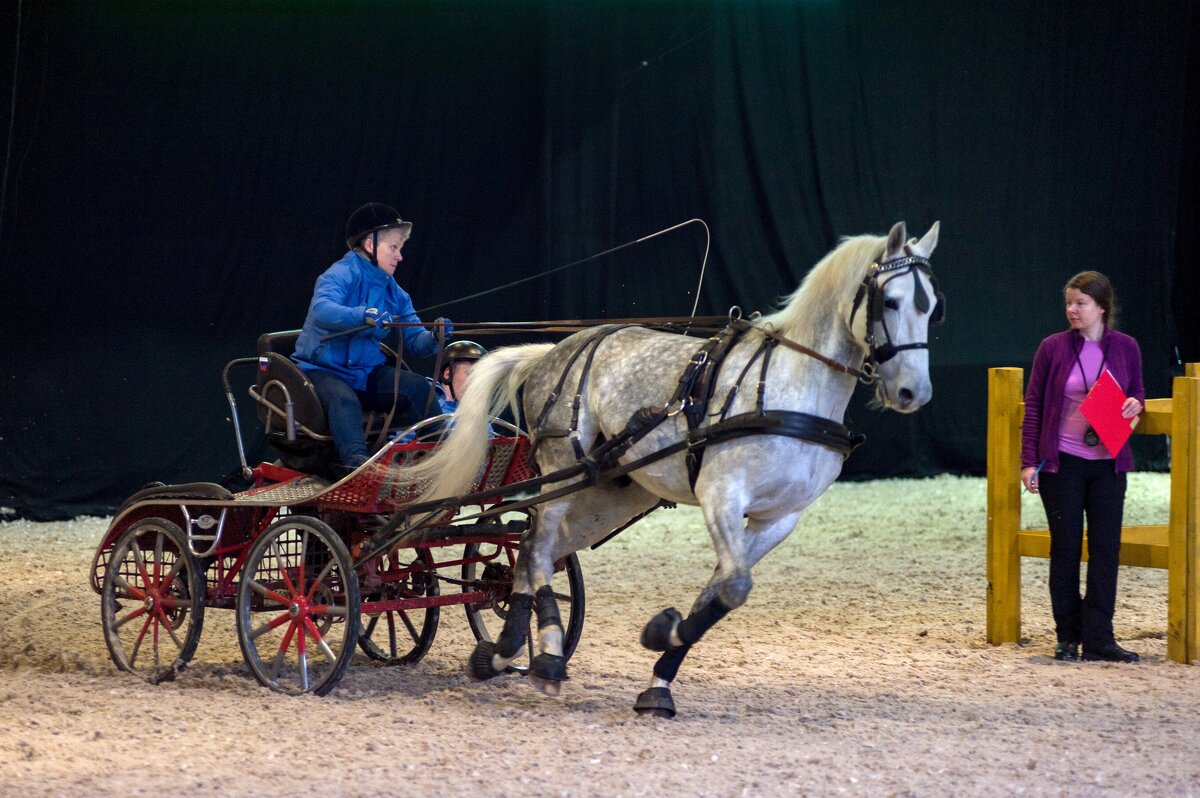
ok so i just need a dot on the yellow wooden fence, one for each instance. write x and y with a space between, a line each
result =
1173 546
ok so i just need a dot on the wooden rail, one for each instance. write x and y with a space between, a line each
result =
1173 546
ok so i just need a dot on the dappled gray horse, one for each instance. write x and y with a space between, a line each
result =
747 426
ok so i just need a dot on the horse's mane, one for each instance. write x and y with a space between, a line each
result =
810 311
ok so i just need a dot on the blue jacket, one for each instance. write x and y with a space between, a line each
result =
341 297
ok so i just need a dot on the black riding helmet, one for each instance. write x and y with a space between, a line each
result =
462 350
369 220
459 352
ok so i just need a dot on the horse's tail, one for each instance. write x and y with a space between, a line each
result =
455 464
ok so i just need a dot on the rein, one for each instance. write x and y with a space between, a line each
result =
864 375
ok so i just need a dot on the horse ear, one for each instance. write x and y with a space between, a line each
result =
895 239
928 242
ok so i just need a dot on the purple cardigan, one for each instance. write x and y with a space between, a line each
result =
1044 393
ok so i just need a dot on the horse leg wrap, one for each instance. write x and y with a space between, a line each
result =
656 635
547 608
668 664
516 625
549 667
703 619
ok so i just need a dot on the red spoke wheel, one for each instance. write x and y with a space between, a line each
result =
489 569
152 601
297 607
400 636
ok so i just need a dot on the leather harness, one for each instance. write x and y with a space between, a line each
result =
692 398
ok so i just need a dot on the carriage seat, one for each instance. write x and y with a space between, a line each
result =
287 400
291 411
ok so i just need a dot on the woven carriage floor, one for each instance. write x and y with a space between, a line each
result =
858 667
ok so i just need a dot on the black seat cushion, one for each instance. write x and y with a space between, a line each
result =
277 372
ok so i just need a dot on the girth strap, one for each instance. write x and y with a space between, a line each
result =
789 423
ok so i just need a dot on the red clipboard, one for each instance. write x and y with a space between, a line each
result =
1102 409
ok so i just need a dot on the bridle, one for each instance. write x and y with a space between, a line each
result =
871 290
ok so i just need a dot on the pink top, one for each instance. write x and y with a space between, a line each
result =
1074 426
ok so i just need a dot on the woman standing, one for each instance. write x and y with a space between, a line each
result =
1063 460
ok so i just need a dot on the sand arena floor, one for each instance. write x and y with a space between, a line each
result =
857 667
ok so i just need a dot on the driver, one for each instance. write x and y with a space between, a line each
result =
349 372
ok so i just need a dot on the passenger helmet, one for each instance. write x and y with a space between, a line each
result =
462 350
371 218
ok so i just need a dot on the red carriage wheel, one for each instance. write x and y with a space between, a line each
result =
400 636
297 607
152 600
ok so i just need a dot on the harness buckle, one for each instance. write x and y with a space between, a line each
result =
868 373
684 404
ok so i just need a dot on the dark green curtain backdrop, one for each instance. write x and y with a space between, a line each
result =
177 175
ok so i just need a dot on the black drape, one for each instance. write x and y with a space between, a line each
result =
176 178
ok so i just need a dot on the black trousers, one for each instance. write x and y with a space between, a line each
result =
1092 489
344 405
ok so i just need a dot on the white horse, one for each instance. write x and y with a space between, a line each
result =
856 306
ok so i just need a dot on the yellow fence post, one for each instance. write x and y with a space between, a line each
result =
1183 591
1004 505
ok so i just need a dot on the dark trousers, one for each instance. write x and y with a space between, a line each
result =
1092 489
344 405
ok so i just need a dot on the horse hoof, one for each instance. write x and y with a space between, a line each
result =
479 666
657 634
655 702
547 686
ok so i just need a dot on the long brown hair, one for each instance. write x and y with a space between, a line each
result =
1097 286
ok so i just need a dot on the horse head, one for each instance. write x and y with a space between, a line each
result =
900 300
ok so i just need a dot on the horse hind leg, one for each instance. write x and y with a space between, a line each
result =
490 659
590 515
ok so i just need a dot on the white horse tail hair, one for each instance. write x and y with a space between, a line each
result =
495 379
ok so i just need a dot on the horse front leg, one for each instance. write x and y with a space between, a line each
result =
674 635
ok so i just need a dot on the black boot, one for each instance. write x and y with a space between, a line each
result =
1111 652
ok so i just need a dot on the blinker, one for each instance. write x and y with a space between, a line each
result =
920 298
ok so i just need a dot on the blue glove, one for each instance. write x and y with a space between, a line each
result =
447 326
376 318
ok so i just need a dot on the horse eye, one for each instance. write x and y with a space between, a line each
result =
891 304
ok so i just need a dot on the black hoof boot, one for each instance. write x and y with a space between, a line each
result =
657 634
655 702
479 666
549 667
547 673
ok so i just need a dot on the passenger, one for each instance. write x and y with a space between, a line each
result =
460 358
1063 459
349 372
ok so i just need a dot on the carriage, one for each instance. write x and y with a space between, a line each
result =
623 419
314 566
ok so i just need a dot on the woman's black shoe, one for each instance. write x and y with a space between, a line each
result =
1109 653
1067 652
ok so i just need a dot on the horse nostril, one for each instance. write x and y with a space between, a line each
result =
906 396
